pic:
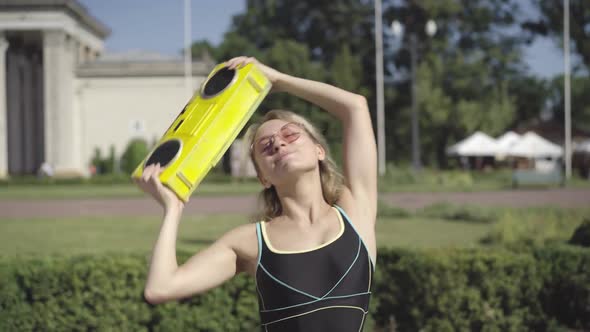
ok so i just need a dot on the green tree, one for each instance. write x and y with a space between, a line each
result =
580 111
444 119
551 24
475 55
234 44
135 152
323 25
531 97
463 71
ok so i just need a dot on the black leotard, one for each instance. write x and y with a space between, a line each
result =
321 289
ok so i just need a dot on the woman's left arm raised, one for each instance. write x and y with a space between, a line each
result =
359 147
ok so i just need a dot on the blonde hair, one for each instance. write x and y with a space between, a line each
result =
330 177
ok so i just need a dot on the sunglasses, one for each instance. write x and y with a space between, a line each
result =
289 133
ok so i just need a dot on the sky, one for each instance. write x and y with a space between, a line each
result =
157 26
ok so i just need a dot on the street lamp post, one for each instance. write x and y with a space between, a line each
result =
397 30
188 86
567 90
379 82
415 124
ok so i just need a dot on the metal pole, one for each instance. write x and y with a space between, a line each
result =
567 89
415 123
379 76
187 50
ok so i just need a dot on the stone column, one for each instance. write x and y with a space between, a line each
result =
62 123
3 109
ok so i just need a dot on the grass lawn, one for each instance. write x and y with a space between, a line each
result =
69 191
429 233
99 235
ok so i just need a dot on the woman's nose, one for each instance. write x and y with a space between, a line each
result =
278 142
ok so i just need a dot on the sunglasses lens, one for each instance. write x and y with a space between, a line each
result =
290 132
265 144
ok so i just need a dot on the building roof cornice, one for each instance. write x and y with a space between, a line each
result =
131 68
72 7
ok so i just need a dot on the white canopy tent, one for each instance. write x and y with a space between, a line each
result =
476 145
506 141
583 146
532 146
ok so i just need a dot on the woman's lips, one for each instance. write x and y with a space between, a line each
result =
282 156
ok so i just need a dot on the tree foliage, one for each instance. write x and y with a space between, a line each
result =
463 71
550 23
470 76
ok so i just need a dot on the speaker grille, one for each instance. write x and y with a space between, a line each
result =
164 153
218 82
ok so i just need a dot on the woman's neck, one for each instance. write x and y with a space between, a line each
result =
303 200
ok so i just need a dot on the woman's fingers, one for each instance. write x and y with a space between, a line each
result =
148 173
155 178
270 73
150 176
241 60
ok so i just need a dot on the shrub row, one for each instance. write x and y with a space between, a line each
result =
545 289
105 293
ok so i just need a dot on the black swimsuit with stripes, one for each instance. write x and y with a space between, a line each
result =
323 289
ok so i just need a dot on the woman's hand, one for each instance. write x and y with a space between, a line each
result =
151 184
272 74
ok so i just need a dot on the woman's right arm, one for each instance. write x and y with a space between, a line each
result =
205 270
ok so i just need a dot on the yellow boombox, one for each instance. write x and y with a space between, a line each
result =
206 127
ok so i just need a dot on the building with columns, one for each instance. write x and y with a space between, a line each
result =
61 98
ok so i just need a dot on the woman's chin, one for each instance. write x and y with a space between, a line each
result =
292 167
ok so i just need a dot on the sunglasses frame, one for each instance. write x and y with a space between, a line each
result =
272 137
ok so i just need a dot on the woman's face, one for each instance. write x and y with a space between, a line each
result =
282 148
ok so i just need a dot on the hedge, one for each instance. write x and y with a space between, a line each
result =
546 289
105 293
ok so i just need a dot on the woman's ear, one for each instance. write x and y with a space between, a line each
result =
265 183
321 152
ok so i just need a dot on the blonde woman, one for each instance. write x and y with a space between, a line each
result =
313 254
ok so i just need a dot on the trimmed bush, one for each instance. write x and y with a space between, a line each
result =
581 236
565 295
477 290
522 229
104 165
105 293
544 289
135 152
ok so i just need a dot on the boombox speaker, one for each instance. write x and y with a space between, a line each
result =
206 127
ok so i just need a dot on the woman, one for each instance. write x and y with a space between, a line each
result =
313 257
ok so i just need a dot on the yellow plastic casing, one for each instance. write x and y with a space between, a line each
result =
205 129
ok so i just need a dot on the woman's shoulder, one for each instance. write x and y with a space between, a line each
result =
241 237
272 221
241 232
243 241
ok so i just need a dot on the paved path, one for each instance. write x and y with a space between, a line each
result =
121 207
566 198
